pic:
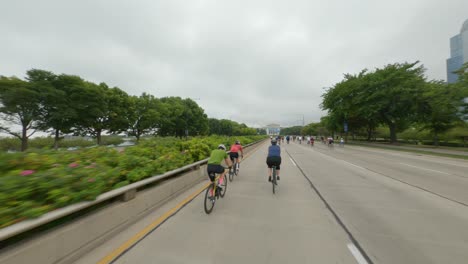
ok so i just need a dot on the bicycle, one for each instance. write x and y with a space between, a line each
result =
274 181
214 192
234 170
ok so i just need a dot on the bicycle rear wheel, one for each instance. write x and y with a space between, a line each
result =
210 199
273 179
223 185
236 166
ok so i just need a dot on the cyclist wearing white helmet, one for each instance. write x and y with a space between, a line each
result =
216 158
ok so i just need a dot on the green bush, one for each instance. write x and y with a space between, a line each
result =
33 183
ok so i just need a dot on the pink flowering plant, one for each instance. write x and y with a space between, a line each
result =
34 183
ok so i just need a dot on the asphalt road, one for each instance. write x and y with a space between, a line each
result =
334 205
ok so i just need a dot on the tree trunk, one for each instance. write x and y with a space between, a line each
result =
137 135
393 137
436 139
24 139
56 140
369 134
98 136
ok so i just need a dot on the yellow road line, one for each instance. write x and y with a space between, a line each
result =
133 240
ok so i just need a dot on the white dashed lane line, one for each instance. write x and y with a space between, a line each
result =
357 254
293 162
424 168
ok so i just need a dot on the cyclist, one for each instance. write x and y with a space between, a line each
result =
214 163
274 159
330 141
287 139
234 152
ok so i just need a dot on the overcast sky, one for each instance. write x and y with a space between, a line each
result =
250 61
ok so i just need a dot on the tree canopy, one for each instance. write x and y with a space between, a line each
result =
396 96
63 104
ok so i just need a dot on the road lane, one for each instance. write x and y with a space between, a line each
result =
443 176
250 225
394 222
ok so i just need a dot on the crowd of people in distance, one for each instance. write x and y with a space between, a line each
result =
310 140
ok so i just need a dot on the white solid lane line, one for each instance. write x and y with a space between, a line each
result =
293 162
424 168
357 255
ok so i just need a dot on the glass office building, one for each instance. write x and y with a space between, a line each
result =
458 53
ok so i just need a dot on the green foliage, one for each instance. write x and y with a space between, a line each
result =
295 130
315 129
394 95
33 183
230 128
14 144
19 106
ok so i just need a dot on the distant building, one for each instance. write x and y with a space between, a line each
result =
273 129
458 53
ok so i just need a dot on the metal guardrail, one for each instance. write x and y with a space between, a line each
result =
130 189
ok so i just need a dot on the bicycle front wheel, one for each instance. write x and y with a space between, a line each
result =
210 199
223 185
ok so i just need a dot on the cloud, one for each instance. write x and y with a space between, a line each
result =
252 61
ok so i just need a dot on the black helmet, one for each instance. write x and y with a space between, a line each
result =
273 141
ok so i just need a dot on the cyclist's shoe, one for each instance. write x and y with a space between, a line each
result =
277 177
219 190
269 178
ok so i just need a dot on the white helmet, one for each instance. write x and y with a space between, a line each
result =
221 146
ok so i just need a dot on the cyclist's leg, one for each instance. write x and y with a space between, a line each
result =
269 165
278 167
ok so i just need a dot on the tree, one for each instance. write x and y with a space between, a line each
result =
294 130
462 86
20 105
440 110
315 129
143 115
182 117
390 95
58 111
196 119
100 109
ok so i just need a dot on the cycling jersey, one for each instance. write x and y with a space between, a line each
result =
274 151
236 148
217 156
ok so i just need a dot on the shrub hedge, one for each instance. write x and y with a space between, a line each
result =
14 144
34 183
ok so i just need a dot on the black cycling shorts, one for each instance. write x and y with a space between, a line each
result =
214 168
234 155
274 161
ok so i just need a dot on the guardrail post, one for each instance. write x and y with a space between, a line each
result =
128 195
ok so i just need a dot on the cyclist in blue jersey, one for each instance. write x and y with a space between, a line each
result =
274 158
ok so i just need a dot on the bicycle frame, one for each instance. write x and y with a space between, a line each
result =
273 178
